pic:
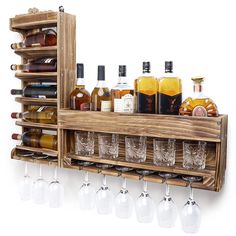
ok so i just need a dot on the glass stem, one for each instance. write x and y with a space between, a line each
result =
124 183
26 168
104 181
191 192
145 186
167 190
55 173
86 177
40 171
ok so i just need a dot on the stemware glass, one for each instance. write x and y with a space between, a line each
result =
123 200
144 205
104 199
40 188
55 192
191 213
25 186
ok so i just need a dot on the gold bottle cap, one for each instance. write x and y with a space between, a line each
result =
198 79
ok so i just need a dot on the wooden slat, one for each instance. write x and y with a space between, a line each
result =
40 150
163 126
38 75
38 101
36 125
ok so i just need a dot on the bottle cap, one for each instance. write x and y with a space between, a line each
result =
16 136
198 79
15 115
101 72
146 67
16 91
122 70
168 67
13 67
80 70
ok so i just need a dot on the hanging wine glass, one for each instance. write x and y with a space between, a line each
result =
123 200
55 191
144 205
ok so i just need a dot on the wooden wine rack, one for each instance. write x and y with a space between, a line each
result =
65 51
211 130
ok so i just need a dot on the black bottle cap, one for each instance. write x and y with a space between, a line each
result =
101 72
122 71
168 66
61 9
16 91
146 67
80 70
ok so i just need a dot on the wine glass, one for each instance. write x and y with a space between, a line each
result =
144 205
104 199
123 200
40 188
25 186
55 192
191 213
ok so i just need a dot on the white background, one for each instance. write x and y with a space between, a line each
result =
198 35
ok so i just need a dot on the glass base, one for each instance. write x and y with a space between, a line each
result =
39 156
145 172
123 169
85 163
104 166
167 175
25 154
192 178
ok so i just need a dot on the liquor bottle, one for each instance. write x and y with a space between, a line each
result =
101 97
147 91
37 91
38 37
38 65
44 114
199 104
80 97
38 140
170 92
122 94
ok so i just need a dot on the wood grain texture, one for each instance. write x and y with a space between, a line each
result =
36 101
36 125
39 75
39 150
178 127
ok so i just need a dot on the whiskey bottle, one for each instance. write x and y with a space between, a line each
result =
199 104
38 37
101 97
38 140
170 92
80 97
37 91
122 94
38 65
147 91
44 114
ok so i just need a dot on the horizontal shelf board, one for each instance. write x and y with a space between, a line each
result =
36 75
36 125
40 150
40 101
36 52
147 166
162 126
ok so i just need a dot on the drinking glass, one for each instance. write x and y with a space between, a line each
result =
40 188
55 192
108 146
144 205
87 194
25 186
135 149
104 199
191 213
123 200
84 143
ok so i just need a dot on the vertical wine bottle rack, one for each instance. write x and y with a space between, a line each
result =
65 51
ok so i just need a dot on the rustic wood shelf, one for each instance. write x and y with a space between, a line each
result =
36 125
36 76
36 52
38 101
46 151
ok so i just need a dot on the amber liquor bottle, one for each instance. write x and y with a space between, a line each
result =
198 104
37 140
38 38
37 65
147 91
170 92
122 94
80 97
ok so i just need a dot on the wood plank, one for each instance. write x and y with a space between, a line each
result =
162 126
40 150
38 101
36 125
36 75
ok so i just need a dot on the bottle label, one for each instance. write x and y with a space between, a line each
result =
106 106
199 111
146 103
85 106
125 104
169 104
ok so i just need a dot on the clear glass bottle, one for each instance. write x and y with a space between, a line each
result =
122 94
80 97
101 97
199 104
147 91
170 92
